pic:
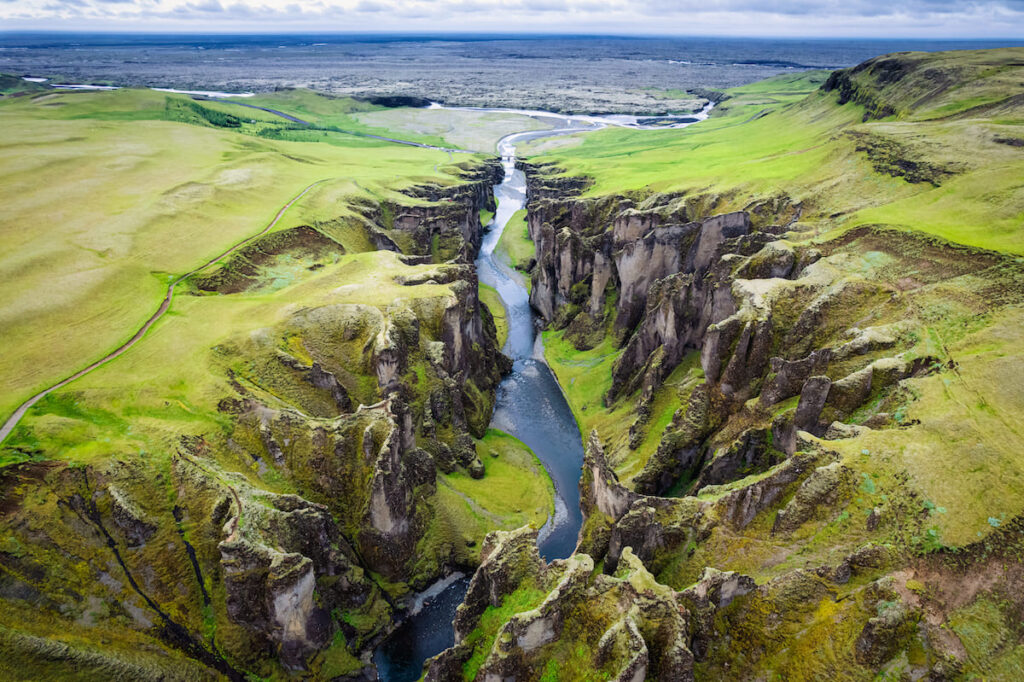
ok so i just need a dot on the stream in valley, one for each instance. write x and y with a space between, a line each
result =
530 406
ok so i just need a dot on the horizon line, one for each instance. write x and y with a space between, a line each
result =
488 34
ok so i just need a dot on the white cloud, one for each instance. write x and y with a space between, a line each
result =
910 18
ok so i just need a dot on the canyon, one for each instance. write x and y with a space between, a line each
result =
793 380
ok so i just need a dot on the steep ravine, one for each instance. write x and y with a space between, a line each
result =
770 353
530 406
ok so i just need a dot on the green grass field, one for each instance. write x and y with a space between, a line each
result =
175 366
460 129
105 203
337 112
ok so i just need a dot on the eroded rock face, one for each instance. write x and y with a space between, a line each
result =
631 627
658 527
187 554
887 633
507 559
600 489
389 535
681 449
609 245
821 490
749 453
718 589
765 316
448 228
270 581
761 311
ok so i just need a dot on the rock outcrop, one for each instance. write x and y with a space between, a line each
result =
628 626
444 221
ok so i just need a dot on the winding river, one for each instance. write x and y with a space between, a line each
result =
530 406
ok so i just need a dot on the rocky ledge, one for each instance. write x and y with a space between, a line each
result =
283 539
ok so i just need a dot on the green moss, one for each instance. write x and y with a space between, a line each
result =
982 628
481 638
490 297
337 660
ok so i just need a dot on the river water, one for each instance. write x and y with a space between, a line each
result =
529 405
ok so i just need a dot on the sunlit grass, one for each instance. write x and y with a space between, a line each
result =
102 211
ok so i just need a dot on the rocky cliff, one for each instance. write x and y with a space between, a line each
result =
439 221
759 362
279 532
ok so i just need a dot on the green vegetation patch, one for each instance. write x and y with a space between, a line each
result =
514 491
490 297
515 245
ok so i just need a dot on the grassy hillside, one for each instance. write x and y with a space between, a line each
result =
106 200
931 151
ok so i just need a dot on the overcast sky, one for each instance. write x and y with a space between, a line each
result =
866 18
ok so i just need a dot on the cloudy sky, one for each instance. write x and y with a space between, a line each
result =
881 18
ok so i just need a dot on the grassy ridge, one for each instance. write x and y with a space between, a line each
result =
773 137
326 111
490 297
